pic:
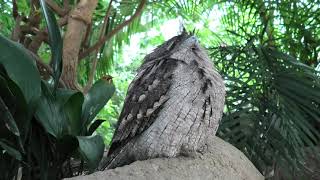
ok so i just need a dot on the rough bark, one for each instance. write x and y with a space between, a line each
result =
16 33
95 59
114 31
78 20
56 8
221 162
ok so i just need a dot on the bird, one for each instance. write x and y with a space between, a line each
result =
174 103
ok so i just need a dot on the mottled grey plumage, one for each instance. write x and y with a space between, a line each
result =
174 103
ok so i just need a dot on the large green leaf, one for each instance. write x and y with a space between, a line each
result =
67 145
95 100
5 113
91 149
10 150
73 109
21 69
6 94
21 111
63 95
55 42
39 148
71 102
6 116
50 114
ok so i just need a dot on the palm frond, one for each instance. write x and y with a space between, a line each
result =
271 105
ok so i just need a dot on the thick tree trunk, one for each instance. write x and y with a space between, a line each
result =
222 161
78 20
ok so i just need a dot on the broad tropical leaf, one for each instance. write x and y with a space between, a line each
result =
6 116
67 145
10 150
50 114
95 100
91 149
26 75
73 110
4 110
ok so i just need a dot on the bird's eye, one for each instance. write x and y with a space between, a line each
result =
193 48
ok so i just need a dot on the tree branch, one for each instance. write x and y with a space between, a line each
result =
66 4
15 11
95 60
114 31
44 69
42 35
16 33
55 7
221 160
85 42
37 41
34 15
266 17
78 20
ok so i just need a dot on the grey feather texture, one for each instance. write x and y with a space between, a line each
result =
174 103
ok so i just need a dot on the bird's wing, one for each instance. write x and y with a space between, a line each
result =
146 96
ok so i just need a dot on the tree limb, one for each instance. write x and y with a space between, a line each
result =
66 4
266 17
15 11
95 60
16 33
78 20
221 161
85 42
114 31
44 69
56 8
42 35
37 41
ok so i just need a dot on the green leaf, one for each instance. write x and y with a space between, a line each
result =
6 93
67 145
11 151
91 149
55 42
20 68
272 104
63 95
73 109
50 114
7 98
71 102
6 116
21 113
95 125
39 148
95 99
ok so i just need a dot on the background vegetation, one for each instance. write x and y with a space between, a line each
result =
266 50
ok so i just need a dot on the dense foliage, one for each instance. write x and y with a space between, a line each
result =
267 51
44 128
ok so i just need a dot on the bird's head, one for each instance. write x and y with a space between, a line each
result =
187 48
184 47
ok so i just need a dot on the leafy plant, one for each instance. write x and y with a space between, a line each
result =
43 128
261 117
